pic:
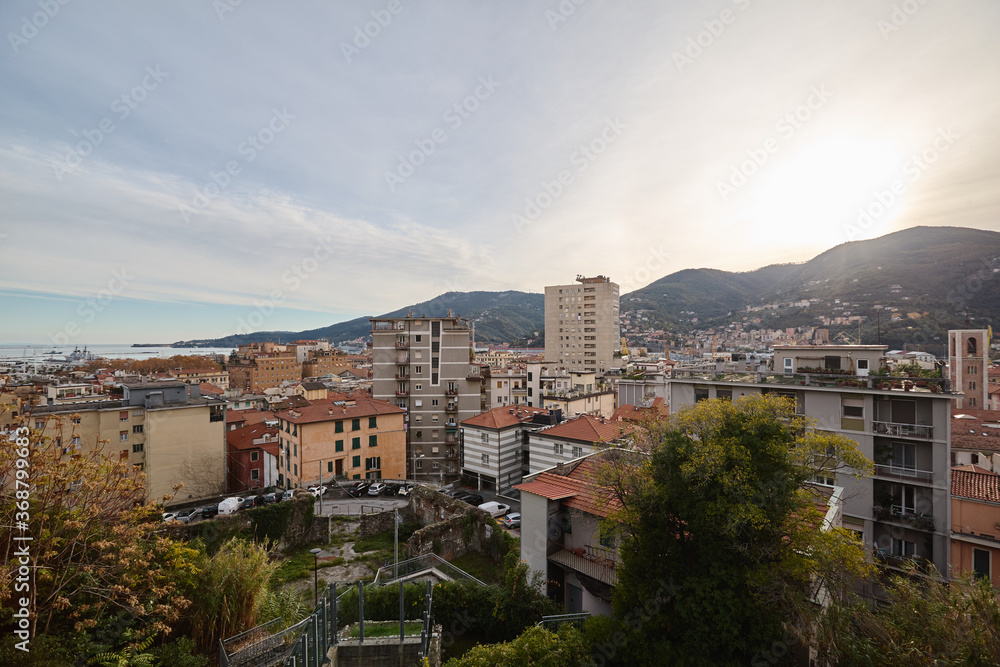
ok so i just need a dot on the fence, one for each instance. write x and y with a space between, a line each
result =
412 567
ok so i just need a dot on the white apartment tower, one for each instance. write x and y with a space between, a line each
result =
422 364
582 326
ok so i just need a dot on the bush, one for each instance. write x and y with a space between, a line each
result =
536 647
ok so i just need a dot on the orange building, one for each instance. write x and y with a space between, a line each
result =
259 366
357 438
975 523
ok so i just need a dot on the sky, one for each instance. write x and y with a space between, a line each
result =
171 171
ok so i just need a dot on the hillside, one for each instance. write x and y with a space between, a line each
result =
498 317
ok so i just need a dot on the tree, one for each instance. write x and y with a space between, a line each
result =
722 545
97 547
924 621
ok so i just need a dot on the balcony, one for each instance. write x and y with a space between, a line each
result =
402 394
451 439
451 392
402 345
474 376
902 430
903 516
451 407
403 377
402 359
903 474
451 426
917 564
598 563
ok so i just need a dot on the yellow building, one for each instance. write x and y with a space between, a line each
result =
361 438
259 366
165 429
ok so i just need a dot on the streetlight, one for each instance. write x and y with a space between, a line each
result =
315 553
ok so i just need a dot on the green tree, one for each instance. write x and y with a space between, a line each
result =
722 545
924 621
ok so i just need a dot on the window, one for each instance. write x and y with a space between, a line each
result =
903 548
295 429
296 469
355 443
981 564
355 424
75 420
356 461
417 370
123 436
486 437
254 456
971 346
339 446
39 424
255 473
434 401
329 466
123 416
373 441
338 427
373 463
852 415
372 423
904 455
577 452
420 464
138 447
138 428
417 338
295 449
486 459
557 448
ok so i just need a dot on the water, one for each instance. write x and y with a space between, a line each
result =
109 351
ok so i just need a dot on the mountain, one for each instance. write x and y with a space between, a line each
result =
949 273
498 317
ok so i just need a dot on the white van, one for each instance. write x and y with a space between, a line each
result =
495 509
229 506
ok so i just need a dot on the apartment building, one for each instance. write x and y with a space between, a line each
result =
903 511
569 440
423 366
975 517
577 393
507 387
968 366
582 326
219 378
494 441
356 438
165 429
252 457
259 366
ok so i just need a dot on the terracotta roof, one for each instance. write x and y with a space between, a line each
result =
971 468
501 417
587 428
209 388
313 386
248 416
327 410
975 430
984 486
242 438
629 412
577 489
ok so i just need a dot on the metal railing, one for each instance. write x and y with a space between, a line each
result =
902 430
415 566
897 472
554 621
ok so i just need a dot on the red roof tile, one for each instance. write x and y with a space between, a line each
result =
242 438
578 489
587 428
248 416
501 417
632 413
326 410
984 486
971 430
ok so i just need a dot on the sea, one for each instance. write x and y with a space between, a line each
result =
108 351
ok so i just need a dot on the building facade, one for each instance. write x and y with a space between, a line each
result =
165 429
259 366
975 517
494 441
582 325
360 438
968 366
569 440
422 365
903 511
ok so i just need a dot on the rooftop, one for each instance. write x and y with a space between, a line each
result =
504 417
587 428
975 485
975 430
576 485
327 410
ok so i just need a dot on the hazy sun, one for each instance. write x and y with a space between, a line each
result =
811 196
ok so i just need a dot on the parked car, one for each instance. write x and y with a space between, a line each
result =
208 511
405 490
253 501
358 488
512 520
473 499
450 492
376 489
288 494
230 505
169 516
317 490
495 509
270 498
392 489
185 516
459 494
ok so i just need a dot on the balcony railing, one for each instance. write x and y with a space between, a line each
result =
403 376
402 345
902 473
451 392
902 430
904 516
451 407
451 439
402 394
919 564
